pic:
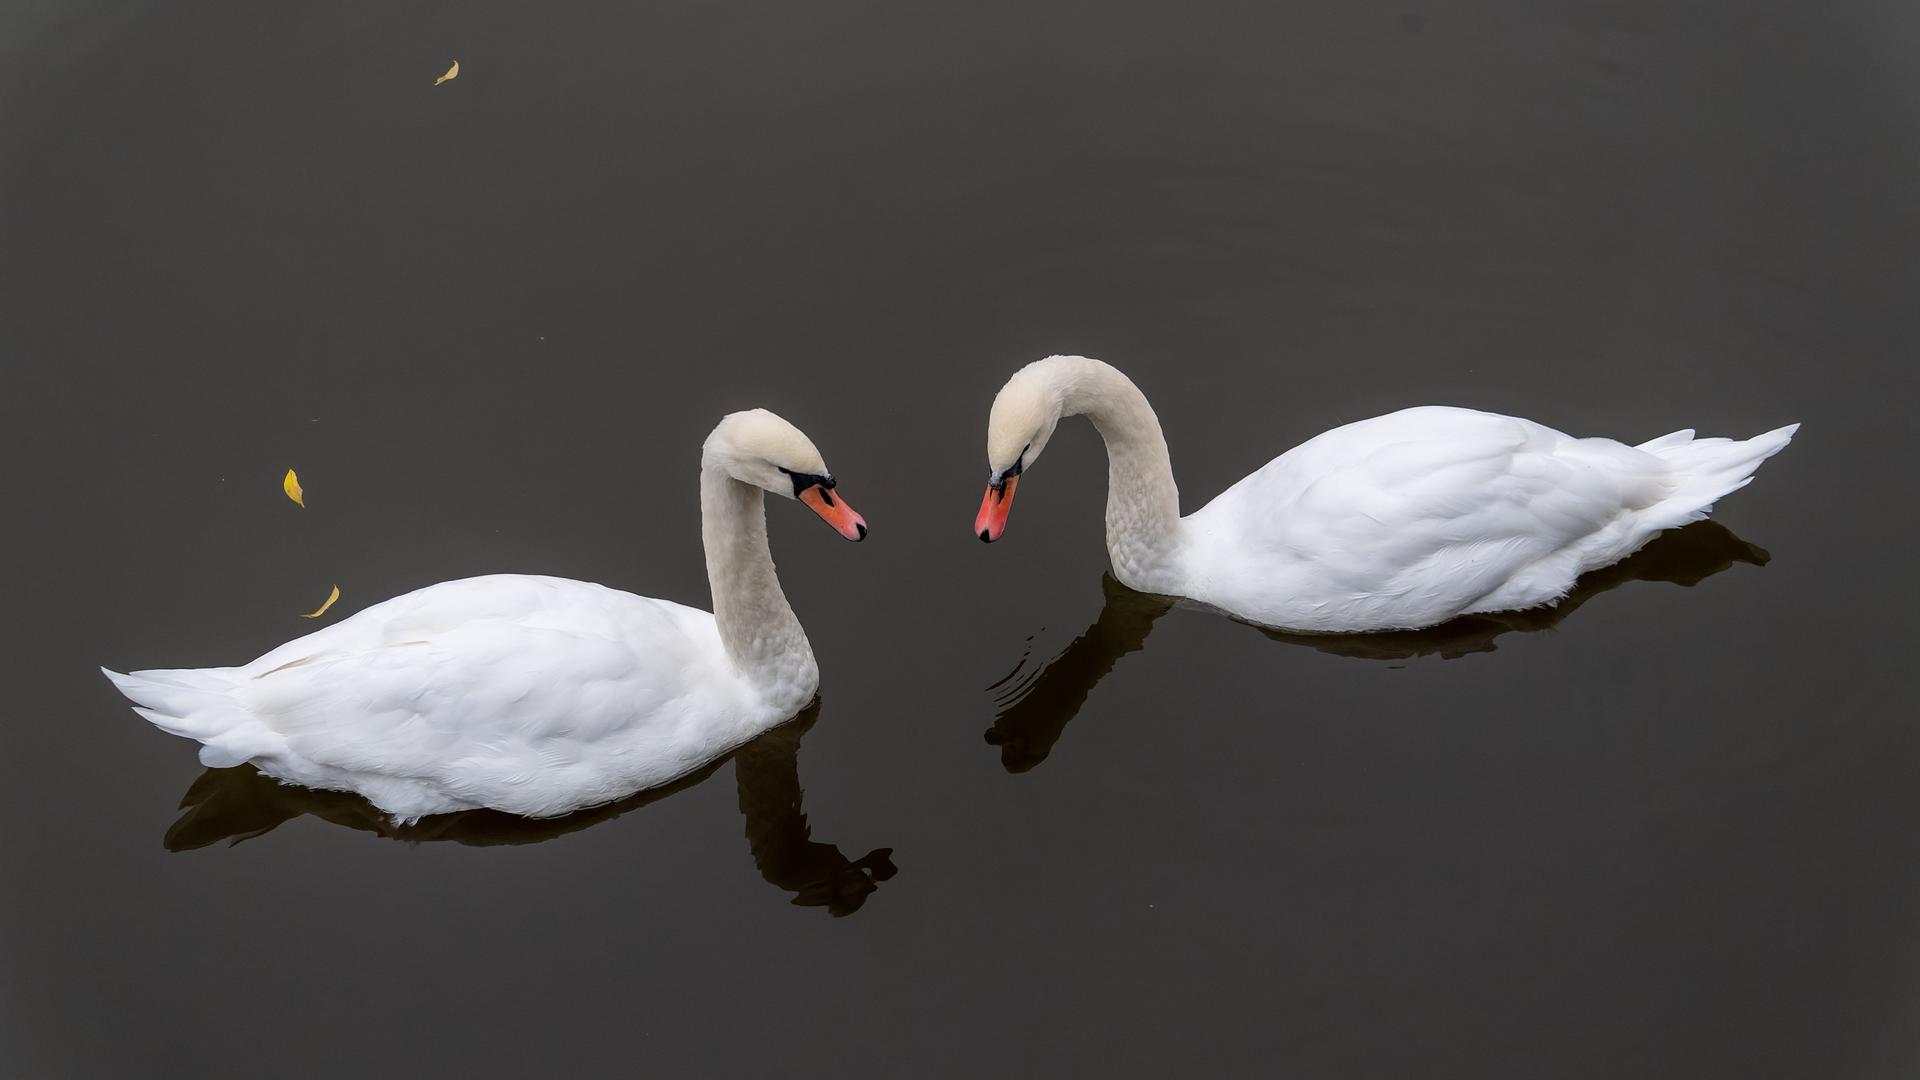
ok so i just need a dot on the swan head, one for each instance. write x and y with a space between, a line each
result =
756 447
1025 412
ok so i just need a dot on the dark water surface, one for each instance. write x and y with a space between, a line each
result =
1672 833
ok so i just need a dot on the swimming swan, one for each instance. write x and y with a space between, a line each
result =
537 696
1399 522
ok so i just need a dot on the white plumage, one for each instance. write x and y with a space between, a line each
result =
533 695
1397 522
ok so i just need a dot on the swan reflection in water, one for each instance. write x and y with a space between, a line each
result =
1035 705
239 804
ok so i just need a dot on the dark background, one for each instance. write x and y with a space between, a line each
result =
491 321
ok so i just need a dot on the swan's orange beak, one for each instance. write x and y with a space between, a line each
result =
992 520
834 511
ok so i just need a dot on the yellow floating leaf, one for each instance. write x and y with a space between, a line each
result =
452 73
292 486
331 597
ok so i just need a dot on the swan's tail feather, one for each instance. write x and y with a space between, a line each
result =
197 704
1706 470
1677 438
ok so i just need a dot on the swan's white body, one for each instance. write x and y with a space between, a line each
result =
1397 522
534 695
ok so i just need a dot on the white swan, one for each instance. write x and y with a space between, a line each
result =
1399 522
534 695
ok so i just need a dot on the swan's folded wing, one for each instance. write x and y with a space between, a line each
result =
450 604
1417 514
457 693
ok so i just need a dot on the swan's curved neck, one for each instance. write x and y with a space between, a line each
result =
758 629
1143 505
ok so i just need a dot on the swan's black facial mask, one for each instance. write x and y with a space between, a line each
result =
803 481
1019 463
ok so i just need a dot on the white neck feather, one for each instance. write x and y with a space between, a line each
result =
1143 504
758 629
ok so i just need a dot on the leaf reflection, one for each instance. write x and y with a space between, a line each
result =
1034 706
240 803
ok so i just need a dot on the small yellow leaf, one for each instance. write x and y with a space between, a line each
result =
292 486
452 73
331 597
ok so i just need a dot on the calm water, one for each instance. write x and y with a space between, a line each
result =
1671 833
